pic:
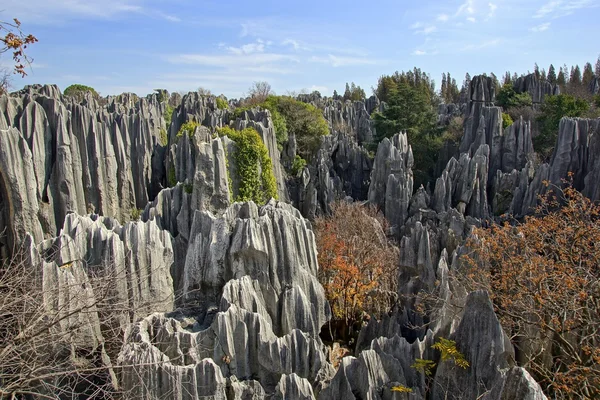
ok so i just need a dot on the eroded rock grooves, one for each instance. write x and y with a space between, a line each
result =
223 297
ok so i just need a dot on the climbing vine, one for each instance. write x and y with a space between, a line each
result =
254 166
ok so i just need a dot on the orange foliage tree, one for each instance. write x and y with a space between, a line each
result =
357 263
544 278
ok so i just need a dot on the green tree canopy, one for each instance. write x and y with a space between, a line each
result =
409 109
553 109
508 98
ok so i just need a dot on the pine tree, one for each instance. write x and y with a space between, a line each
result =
561 80
597 68
543 75
575 78
507 78
443 89
347 93
588 75
551 74
536 70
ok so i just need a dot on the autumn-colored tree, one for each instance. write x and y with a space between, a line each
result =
358 265
544 278
13 39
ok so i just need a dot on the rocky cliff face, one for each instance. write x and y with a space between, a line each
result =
250 276
537 88
223 296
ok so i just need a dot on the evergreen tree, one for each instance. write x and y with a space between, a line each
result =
443 90
536 70
552 74
575 78
597 68
588 75
455 92
336 96
507 78
543 75
561 80
347 93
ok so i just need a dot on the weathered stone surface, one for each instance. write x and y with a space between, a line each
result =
351 118
342 169
463 185
392 179
274 246
490 355
293 387
538 89
138 256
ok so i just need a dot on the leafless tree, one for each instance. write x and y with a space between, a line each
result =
61 328
259 91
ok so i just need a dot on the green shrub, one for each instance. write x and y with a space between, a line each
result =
163 139
508 98
136 214
506 120
222 103
188 188
168 115
553 110
253 164
291 116
189 128
298 165
171 176
78 91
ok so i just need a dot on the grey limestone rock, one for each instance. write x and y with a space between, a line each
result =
274 246
392 179
538 89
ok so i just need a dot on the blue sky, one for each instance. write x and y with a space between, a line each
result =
138 45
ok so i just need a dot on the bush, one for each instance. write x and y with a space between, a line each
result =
290 116
189 128
136 214
357 263
163 139
78 91
553 110
222 103
298 165
171 176
168 115
506 120
253 164
508 98
544 280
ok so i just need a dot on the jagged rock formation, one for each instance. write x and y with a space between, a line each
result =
79 157
352 118
251 272
537 88
342 169
392 180
388 363
575 154
137 256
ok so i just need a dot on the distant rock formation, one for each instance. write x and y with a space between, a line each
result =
538 89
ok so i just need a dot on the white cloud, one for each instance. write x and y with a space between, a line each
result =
341 61
249 48
471 19
541 28
426 30
465 8
561 8
493 8
443 17
416 25
419 53
231 60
